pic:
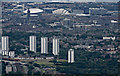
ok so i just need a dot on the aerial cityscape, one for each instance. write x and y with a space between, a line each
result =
59 38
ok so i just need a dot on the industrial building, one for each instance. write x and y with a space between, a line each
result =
97 11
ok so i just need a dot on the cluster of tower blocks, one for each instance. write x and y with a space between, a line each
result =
32 44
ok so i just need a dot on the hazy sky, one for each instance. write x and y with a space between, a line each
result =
70 0
96 0
107 0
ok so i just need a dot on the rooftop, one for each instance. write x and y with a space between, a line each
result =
34 10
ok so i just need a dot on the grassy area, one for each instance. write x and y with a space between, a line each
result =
45 62
61 60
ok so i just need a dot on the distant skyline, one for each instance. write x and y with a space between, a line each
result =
66 0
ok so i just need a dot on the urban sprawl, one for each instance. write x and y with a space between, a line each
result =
59 38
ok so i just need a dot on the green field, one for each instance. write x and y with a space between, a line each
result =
45 62
61 60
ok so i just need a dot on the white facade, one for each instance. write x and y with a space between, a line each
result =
44 45
71 56
5 45
4 52
8 68
107 38
34 10
60 11
33 43
12 54
56 46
